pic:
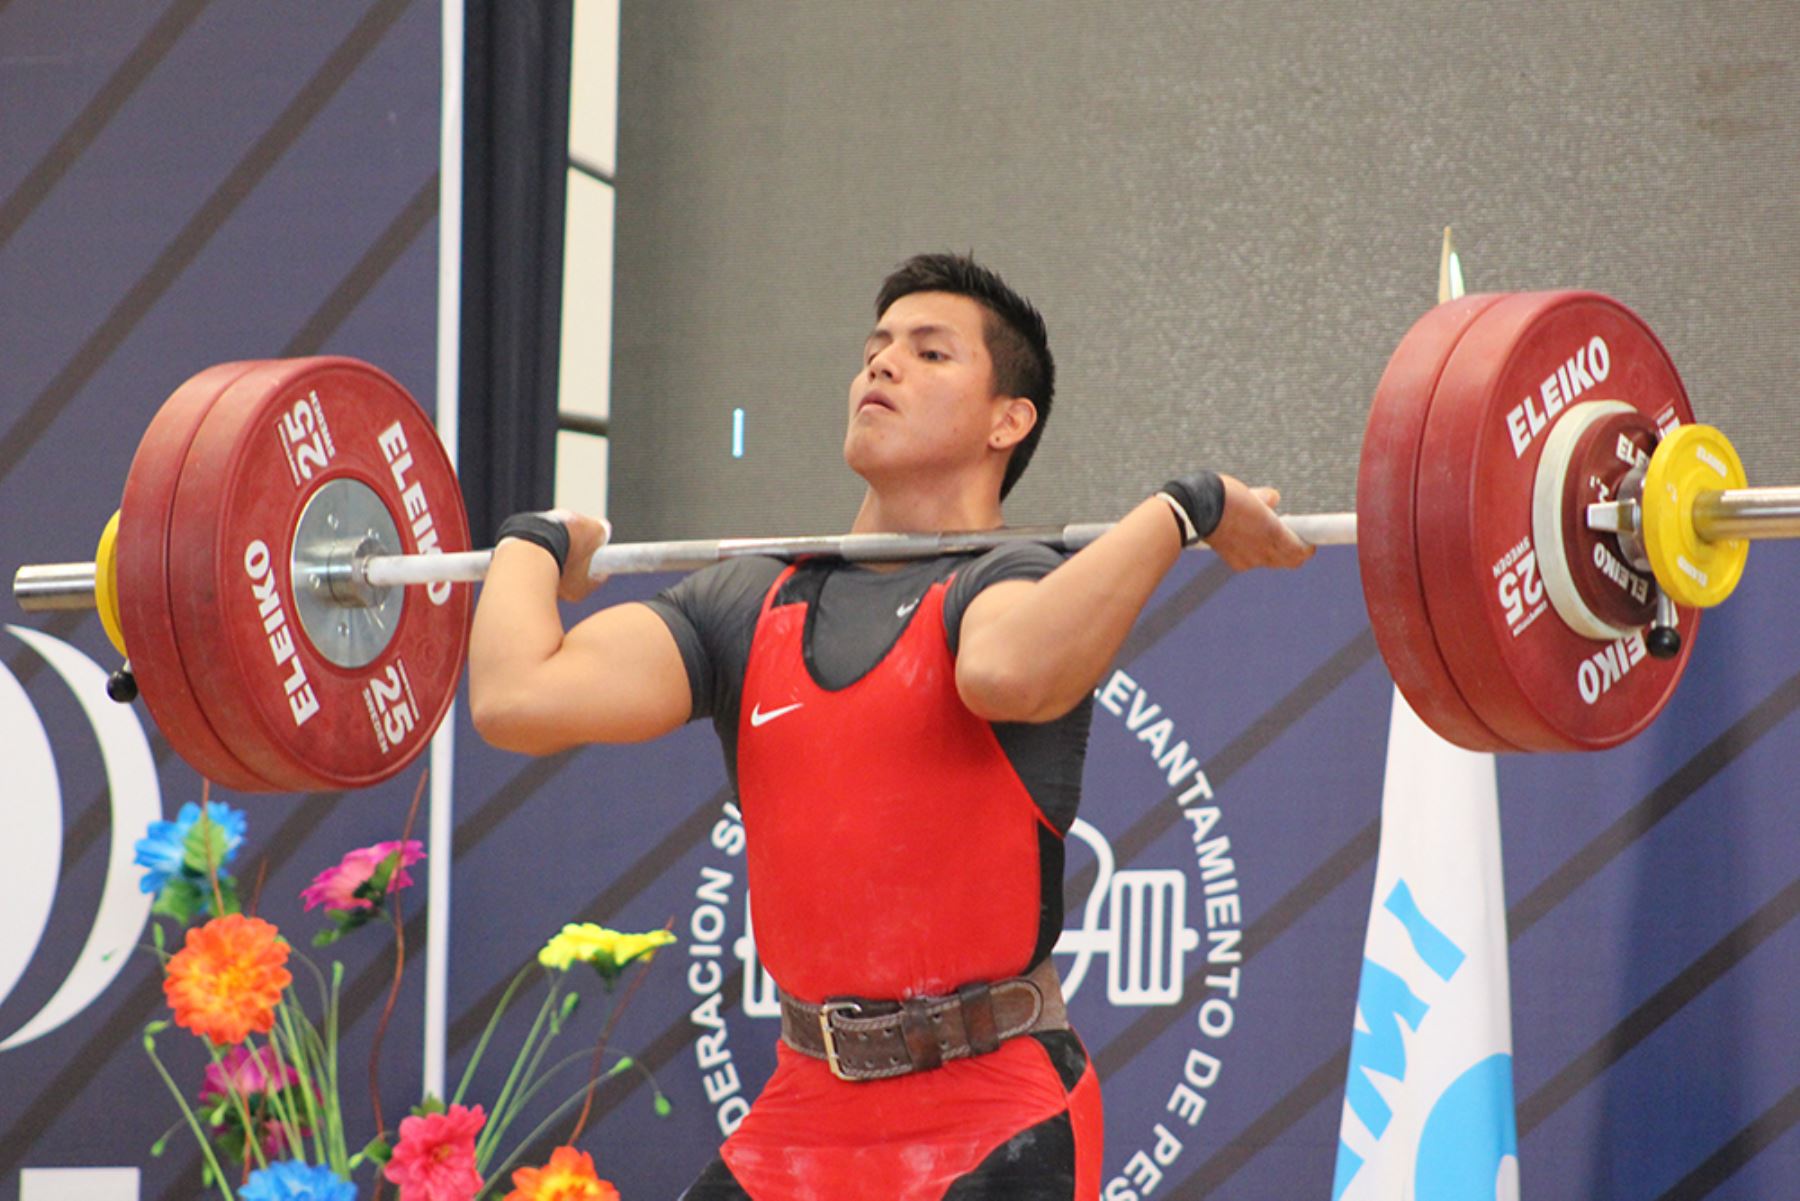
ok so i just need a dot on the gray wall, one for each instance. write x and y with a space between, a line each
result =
1229 213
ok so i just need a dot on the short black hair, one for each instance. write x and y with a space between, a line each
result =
1013 328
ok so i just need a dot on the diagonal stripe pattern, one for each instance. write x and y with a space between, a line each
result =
250 170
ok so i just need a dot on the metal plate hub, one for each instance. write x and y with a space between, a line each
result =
349 622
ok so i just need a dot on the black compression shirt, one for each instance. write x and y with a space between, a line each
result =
860 612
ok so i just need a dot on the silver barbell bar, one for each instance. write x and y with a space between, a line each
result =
1748 513
53 586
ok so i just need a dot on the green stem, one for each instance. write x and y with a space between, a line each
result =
318 976
525 1144
505 1121
555 1069
316 1063
252 1144
281 1103
193 1122
340 1153
487 1032
206 840
484 1146
173 1127
303 1064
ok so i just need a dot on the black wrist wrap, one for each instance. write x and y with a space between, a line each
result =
539 530
1202 497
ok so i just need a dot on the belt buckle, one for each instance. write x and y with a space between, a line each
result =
825 1012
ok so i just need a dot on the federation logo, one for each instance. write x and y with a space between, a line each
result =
34 821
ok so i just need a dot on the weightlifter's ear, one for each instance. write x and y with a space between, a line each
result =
1014 417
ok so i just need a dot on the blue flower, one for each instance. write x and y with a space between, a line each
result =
161 850
289 1181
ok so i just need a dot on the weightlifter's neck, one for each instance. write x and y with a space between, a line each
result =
926 507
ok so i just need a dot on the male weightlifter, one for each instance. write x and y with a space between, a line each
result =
906 743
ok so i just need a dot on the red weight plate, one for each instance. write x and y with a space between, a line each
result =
1613 590
275 438
1386 521
143 573
1533 680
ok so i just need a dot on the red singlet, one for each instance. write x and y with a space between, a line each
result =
893 852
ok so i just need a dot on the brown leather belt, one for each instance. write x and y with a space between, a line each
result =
874 1040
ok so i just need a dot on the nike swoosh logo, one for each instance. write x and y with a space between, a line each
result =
908 607
759 718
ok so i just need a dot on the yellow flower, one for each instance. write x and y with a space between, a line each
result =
608 951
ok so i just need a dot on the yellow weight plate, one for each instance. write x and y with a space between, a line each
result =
106 582
1692 459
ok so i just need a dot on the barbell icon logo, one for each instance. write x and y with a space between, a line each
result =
34 826
1145 936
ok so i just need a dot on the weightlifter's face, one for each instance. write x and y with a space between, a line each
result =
924 398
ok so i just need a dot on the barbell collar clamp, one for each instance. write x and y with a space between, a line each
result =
1614 516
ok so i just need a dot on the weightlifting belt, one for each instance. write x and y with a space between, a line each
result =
873 1040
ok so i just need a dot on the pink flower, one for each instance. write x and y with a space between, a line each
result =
435 1158
253 1073
256 1076
335 887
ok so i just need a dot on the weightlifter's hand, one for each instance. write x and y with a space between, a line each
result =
1249 533
586 535
568 537
1237 521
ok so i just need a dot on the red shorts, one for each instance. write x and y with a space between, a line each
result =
1022 1123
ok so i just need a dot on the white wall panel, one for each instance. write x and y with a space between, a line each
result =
585 373
594 86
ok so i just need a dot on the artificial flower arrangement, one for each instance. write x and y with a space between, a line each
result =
268 1117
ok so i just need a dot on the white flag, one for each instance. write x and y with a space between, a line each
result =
1428 1103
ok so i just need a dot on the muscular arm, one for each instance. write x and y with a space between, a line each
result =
1030 650
616 677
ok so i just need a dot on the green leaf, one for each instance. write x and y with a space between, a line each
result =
375 888
662 1106
180 899
377 1151
203 846
427 1107
156 935
158 1147
570 1004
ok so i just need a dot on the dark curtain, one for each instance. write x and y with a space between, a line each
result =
515 161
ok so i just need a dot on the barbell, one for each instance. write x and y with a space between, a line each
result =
1539 521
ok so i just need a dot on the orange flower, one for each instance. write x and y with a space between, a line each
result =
569 1176
226 979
